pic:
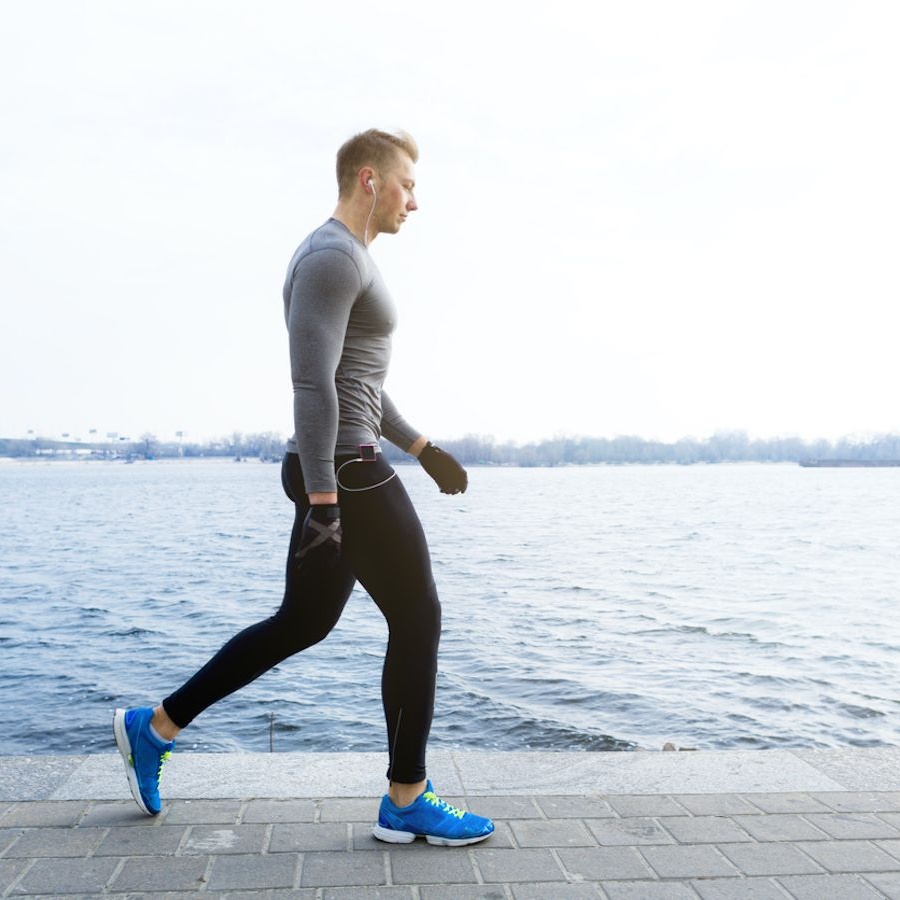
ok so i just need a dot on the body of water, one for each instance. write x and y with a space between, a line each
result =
611 607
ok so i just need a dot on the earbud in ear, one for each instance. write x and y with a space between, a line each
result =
371 184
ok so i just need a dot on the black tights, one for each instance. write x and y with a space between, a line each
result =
385 548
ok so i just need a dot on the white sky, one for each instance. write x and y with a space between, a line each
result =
650 218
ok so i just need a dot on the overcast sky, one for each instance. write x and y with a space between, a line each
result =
651 218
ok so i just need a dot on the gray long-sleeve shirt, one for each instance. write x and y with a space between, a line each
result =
339 317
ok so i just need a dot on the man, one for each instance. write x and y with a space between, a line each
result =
353 518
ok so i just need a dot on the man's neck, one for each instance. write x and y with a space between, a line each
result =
354 218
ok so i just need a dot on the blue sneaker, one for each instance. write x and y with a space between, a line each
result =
432 818
144 755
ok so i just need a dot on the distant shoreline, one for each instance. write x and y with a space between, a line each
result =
405 461
849 463
882 451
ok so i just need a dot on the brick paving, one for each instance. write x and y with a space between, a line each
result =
740 846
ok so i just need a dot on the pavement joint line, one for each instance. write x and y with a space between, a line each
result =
473 862
815 862
566 873
185 839
456 771
93 850
84 812
825 836
894 853
207 872
18 880
115 873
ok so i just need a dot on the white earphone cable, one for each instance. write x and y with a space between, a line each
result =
369 218
359 490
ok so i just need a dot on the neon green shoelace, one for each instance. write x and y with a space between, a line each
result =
443 805
162 761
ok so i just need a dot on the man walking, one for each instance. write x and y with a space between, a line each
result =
353 520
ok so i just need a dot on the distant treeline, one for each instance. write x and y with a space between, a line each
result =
726 447
267 445
477 450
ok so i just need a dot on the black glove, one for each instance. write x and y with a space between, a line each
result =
321 535
450 476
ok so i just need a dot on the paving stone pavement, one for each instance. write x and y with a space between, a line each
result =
713 825
735 846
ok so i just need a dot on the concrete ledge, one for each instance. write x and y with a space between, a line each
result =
458 773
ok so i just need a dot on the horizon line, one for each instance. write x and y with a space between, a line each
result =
183 437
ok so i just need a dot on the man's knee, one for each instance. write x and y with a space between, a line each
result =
299 628
419 619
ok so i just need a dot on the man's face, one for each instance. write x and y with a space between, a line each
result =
396 197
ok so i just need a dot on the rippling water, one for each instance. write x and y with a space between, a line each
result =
731 606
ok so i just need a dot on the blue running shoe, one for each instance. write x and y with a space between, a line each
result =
144 755
430 817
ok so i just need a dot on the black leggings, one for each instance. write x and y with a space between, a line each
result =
384 547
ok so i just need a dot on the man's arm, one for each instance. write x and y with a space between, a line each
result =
397 430
324 289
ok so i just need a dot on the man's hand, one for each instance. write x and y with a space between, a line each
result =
321 535
450 476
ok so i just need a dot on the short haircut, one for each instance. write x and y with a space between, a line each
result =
378 149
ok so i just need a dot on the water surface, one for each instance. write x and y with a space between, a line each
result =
732 606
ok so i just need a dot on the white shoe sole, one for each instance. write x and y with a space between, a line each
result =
407 837
124 746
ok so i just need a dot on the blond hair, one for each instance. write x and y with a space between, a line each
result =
378 149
